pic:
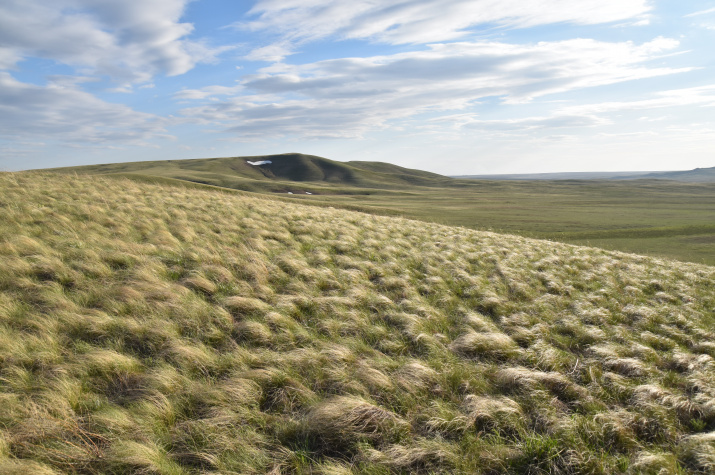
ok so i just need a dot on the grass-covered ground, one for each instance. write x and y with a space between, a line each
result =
654 217
161 329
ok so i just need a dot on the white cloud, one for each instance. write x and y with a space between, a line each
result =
425 21
8 58
64 113
128 40
703 96
590 115
271 53
534 123
701 12
347 97
209 91
645 21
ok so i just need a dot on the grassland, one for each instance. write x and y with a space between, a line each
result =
654 217
160 329
658 218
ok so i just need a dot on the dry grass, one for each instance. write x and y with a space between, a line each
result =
158 329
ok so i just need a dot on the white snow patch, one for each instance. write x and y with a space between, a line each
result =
290 192
259 162
308 193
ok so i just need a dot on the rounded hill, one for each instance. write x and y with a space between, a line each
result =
273 172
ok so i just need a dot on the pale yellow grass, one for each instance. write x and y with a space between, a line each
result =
160 329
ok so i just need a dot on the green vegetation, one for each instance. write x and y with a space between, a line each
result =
652 217
158 328
312 173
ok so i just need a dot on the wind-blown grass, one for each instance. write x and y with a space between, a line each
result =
158 329
661 218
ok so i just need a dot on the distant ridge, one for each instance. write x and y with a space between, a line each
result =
556 176
698 175
274 173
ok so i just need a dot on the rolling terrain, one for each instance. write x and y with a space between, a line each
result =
698 175
654 217
160 328
287 172
556 176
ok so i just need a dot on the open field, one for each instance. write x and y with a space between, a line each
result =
654 217
149 328
659 218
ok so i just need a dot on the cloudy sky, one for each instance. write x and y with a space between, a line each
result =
450 86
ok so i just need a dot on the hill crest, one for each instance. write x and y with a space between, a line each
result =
283 172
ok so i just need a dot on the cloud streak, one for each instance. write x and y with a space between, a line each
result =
701 12
350 96
534 123
421 21
703 96
589 115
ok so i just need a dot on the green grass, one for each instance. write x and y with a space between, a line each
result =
290 171
654 217
658 218
160 328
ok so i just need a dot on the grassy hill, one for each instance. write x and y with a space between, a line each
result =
286 172
655 217
150 328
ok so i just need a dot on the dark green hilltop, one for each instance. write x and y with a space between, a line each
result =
666 214
314 173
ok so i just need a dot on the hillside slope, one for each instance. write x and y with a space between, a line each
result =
662 218
161 329
314 173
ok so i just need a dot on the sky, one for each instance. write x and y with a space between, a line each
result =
451 86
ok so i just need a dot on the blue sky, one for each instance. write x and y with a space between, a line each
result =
450 86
